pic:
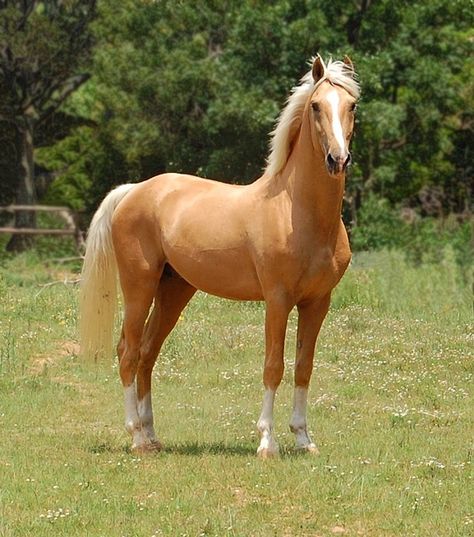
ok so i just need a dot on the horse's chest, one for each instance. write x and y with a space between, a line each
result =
325 268
318 272
311 269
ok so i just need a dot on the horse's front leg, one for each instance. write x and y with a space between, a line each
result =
275 329
310 318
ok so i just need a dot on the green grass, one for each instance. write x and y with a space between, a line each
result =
390 407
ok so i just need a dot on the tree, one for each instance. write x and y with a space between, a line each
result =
44 47
196 87
180 86
415 63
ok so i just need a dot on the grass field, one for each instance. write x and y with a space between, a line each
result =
391 408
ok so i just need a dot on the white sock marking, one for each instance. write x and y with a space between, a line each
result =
265 424
300 401
137 417
298 419
145 413
131 412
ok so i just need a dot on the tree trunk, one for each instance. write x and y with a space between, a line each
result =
26 189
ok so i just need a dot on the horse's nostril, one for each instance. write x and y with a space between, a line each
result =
331 162
348 160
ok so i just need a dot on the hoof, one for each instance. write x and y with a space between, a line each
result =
150 447
310 448
267 453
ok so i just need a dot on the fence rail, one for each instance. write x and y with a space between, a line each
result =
34 208
68 216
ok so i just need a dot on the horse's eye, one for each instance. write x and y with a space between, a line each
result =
353 107
315 107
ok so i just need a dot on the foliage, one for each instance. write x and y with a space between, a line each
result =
422 239
40 42
180 89
43 48
417 94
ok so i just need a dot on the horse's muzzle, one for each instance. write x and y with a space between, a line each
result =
337 164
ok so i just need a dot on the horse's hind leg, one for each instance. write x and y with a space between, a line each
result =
172 295
139 288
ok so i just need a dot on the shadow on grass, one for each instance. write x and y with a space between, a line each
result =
195 449
187 449
105 447
234 450
217 448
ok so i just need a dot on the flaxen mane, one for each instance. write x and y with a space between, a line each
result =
289 122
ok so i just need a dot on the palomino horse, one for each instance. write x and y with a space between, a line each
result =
280 239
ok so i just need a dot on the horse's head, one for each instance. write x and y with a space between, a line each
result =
333 104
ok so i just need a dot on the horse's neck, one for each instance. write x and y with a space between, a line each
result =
316 196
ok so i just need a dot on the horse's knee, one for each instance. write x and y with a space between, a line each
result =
121 347
273 373
128 366
303 372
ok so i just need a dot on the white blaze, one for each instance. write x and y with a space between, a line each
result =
333 99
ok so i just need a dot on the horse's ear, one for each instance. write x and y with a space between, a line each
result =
348 63
318 68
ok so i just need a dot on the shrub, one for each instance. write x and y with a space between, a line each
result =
422 239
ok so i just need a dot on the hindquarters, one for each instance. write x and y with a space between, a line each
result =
197 226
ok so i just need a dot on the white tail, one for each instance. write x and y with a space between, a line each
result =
98 295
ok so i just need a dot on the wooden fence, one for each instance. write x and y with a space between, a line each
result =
65 213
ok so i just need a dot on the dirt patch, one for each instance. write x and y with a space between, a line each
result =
40 363
69 348
244 497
